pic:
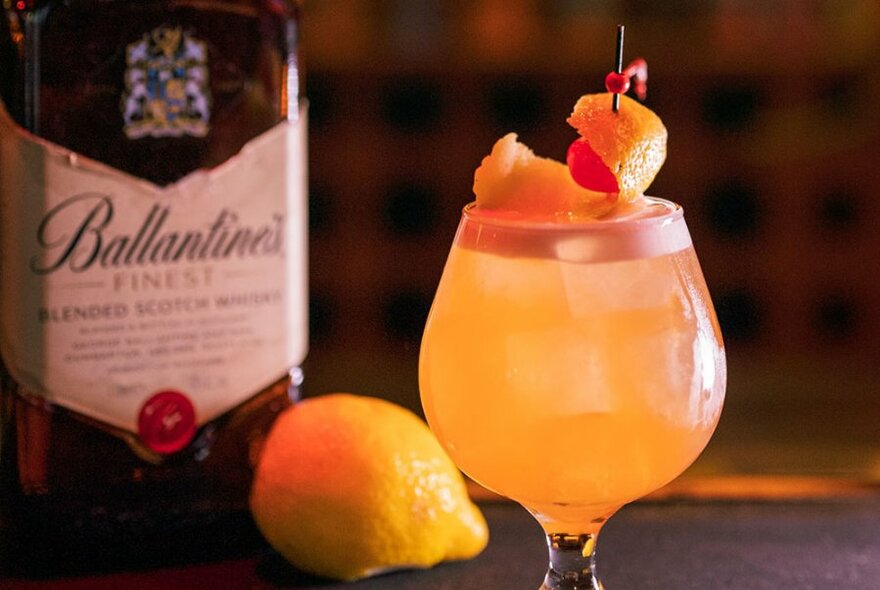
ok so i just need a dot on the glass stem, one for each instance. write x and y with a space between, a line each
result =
572 563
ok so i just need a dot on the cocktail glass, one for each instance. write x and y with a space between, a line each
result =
573 367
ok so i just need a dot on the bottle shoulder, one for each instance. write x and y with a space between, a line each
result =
156 88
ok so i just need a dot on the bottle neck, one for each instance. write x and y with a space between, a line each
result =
155 88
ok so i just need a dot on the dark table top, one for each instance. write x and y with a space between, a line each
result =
699 545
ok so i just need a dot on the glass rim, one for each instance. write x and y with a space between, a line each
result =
675 212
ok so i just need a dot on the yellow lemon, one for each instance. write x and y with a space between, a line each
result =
349 486
631 142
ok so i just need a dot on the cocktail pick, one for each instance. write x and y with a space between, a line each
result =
618 81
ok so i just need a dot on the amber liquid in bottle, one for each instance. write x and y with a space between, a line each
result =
71 487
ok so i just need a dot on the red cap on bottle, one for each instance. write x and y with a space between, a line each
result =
167 422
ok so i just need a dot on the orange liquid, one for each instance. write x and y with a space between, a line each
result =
569 387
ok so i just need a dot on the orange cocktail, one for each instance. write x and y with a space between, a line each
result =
573 368
572 360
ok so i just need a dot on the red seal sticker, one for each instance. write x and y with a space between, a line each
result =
167 422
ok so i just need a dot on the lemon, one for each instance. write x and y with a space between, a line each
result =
630 142
349 486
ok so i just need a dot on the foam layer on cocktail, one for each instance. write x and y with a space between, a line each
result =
645 228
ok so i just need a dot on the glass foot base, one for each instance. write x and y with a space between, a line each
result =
572 563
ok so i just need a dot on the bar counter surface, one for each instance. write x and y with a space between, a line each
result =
772 540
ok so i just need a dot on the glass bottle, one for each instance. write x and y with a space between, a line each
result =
152 171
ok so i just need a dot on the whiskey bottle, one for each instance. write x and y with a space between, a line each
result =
152 267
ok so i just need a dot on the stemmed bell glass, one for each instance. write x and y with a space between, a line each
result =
573 367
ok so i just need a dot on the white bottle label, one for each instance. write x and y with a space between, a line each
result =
114 289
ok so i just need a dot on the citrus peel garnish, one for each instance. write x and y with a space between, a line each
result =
631 143
513 180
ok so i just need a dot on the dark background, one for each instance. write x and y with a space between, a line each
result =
774 151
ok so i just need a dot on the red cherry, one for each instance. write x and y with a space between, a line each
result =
587 168
617 83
